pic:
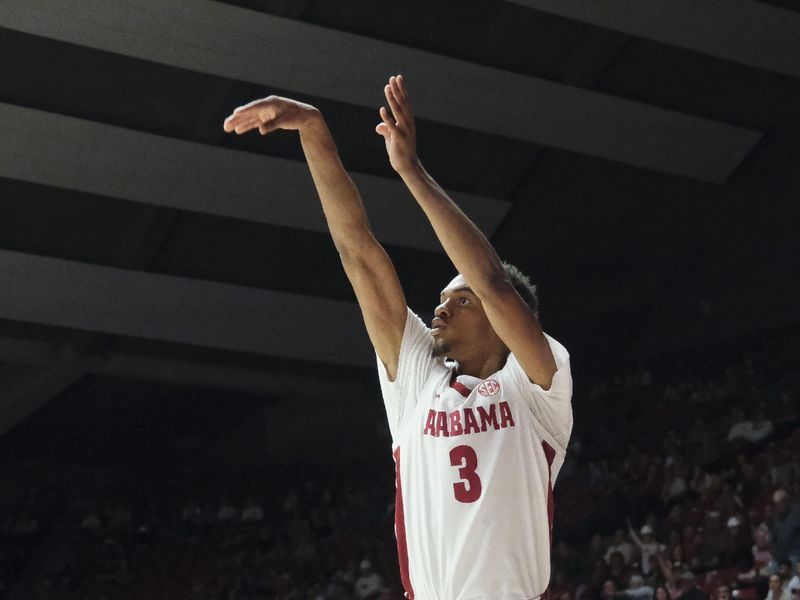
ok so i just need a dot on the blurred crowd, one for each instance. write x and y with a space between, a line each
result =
313 541
675 488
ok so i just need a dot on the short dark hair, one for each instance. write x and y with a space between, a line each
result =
524 286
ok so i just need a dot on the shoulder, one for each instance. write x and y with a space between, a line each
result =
560 353
561 384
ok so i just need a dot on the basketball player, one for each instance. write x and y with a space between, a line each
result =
479 406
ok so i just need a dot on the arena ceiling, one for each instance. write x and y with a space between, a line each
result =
642 164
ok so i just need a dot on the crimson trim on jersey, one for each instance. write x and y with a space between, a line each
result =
550 455
458 386
400 530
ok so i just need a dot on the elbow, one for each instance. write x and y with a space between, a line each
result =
353 241
355 249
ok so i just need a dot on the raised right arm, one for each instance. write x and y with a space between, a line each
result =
632 532
368 267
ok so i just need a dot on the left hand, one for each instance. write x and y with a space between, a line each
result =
397 127
269 114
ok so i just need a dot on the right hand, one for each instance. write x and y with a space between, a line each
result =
397 127
269 114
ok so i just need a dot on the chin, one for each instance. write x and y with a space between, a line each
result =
440 348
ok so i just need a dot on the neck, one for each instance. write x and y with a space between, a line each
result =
483 366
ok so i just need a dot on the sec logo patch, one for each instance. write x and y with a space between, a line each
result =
489 387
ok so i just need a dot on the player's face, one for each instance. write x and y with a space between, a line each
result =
460 326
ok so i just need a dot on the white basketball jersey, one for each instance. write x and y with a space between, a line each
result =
475 461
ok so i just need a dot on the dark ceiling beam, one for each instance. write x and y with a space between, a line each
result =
87 297
25 390
19 350
21 355
741 31
228 41
66 152
279 385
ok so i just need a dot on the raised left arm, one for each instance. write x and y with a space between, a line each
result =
466 246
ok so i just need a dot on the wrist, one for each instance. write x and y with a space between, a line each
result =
313 119
410 168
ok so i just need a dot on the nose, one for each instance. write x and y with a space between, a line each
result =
442 309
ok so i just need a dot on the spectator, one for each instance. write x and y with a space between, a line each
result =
762 554
120 519
736 543
778 590
227 511
252 511
559 585
787 409
687 541
704 556
621 545
749 487
648 547
618 570
637 590
713 531
728 502
369 584
749 430
191 514
785 528
794 583
740 427
723 592
675 485
609 590
661 593
687 586
91 522
596 550
678 561
567 560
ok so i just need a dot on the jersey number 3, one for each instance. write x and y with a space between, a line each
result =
466 460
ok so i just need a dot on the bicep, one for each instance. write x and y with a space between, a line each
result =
519 329
380 297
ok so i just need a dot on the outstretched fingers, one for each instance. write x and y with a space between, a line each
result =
401 86
397 89
251 116
394 105
245 127
239 117
399 115
241 124
229 124
387 125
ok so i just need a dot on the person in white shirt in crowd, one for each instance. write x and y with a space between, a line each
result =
621 545
227 511
369 584
749 430
252 511
648 547
778 590
637 590
794 583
